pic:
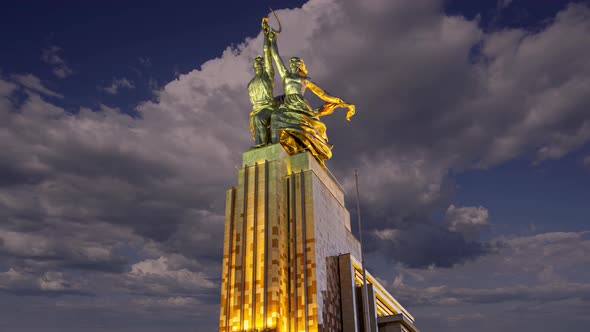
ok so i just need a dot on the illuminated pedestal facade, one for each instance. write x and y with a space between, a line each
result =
290 262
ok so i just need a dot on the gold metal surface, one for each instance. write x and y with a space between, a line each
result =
289 119
260 90
295 124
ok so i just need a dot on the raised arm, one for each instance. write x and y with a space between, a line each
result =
272 38
267 56
322 94
332 102
268 67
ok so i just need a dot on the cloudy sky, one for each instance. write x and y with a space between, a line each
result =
121 126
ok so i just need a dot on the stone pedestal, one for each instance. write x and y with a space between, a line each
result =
286 228
283 220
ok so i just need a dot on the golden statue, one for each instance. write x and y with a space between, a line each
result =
293 122
260 90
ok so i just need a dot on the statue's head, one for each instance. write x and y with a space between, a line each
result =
258 64
297 66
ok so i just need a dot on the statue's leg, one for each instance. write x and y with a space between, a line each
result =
261 126
266 128
252 128
274 133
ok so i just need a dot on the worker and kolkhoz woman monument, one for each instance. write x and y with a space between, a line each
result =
289 119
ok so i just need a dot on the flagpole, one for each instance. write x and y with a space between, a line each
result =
365 300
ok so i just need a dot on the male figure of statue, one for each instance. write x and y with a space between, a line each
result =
260 89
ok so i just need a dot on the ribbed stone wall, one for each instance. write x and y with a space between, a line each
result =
286 223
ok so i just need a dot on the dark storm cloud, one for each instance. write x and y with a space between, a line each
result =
10 174
513 286
122 198
522 293
51 283
531 268
127 208
142 173
47 248
422 243
435 95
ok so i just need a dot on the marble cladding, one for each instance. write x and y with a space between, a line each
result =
332 235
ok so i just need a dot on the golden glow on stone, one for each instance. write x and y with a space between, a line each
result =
266 211
242 300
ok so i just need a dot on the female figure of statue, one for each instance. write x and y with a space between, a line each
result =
295 124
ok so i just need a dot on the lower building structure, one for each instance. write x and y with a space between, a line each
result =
290 261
